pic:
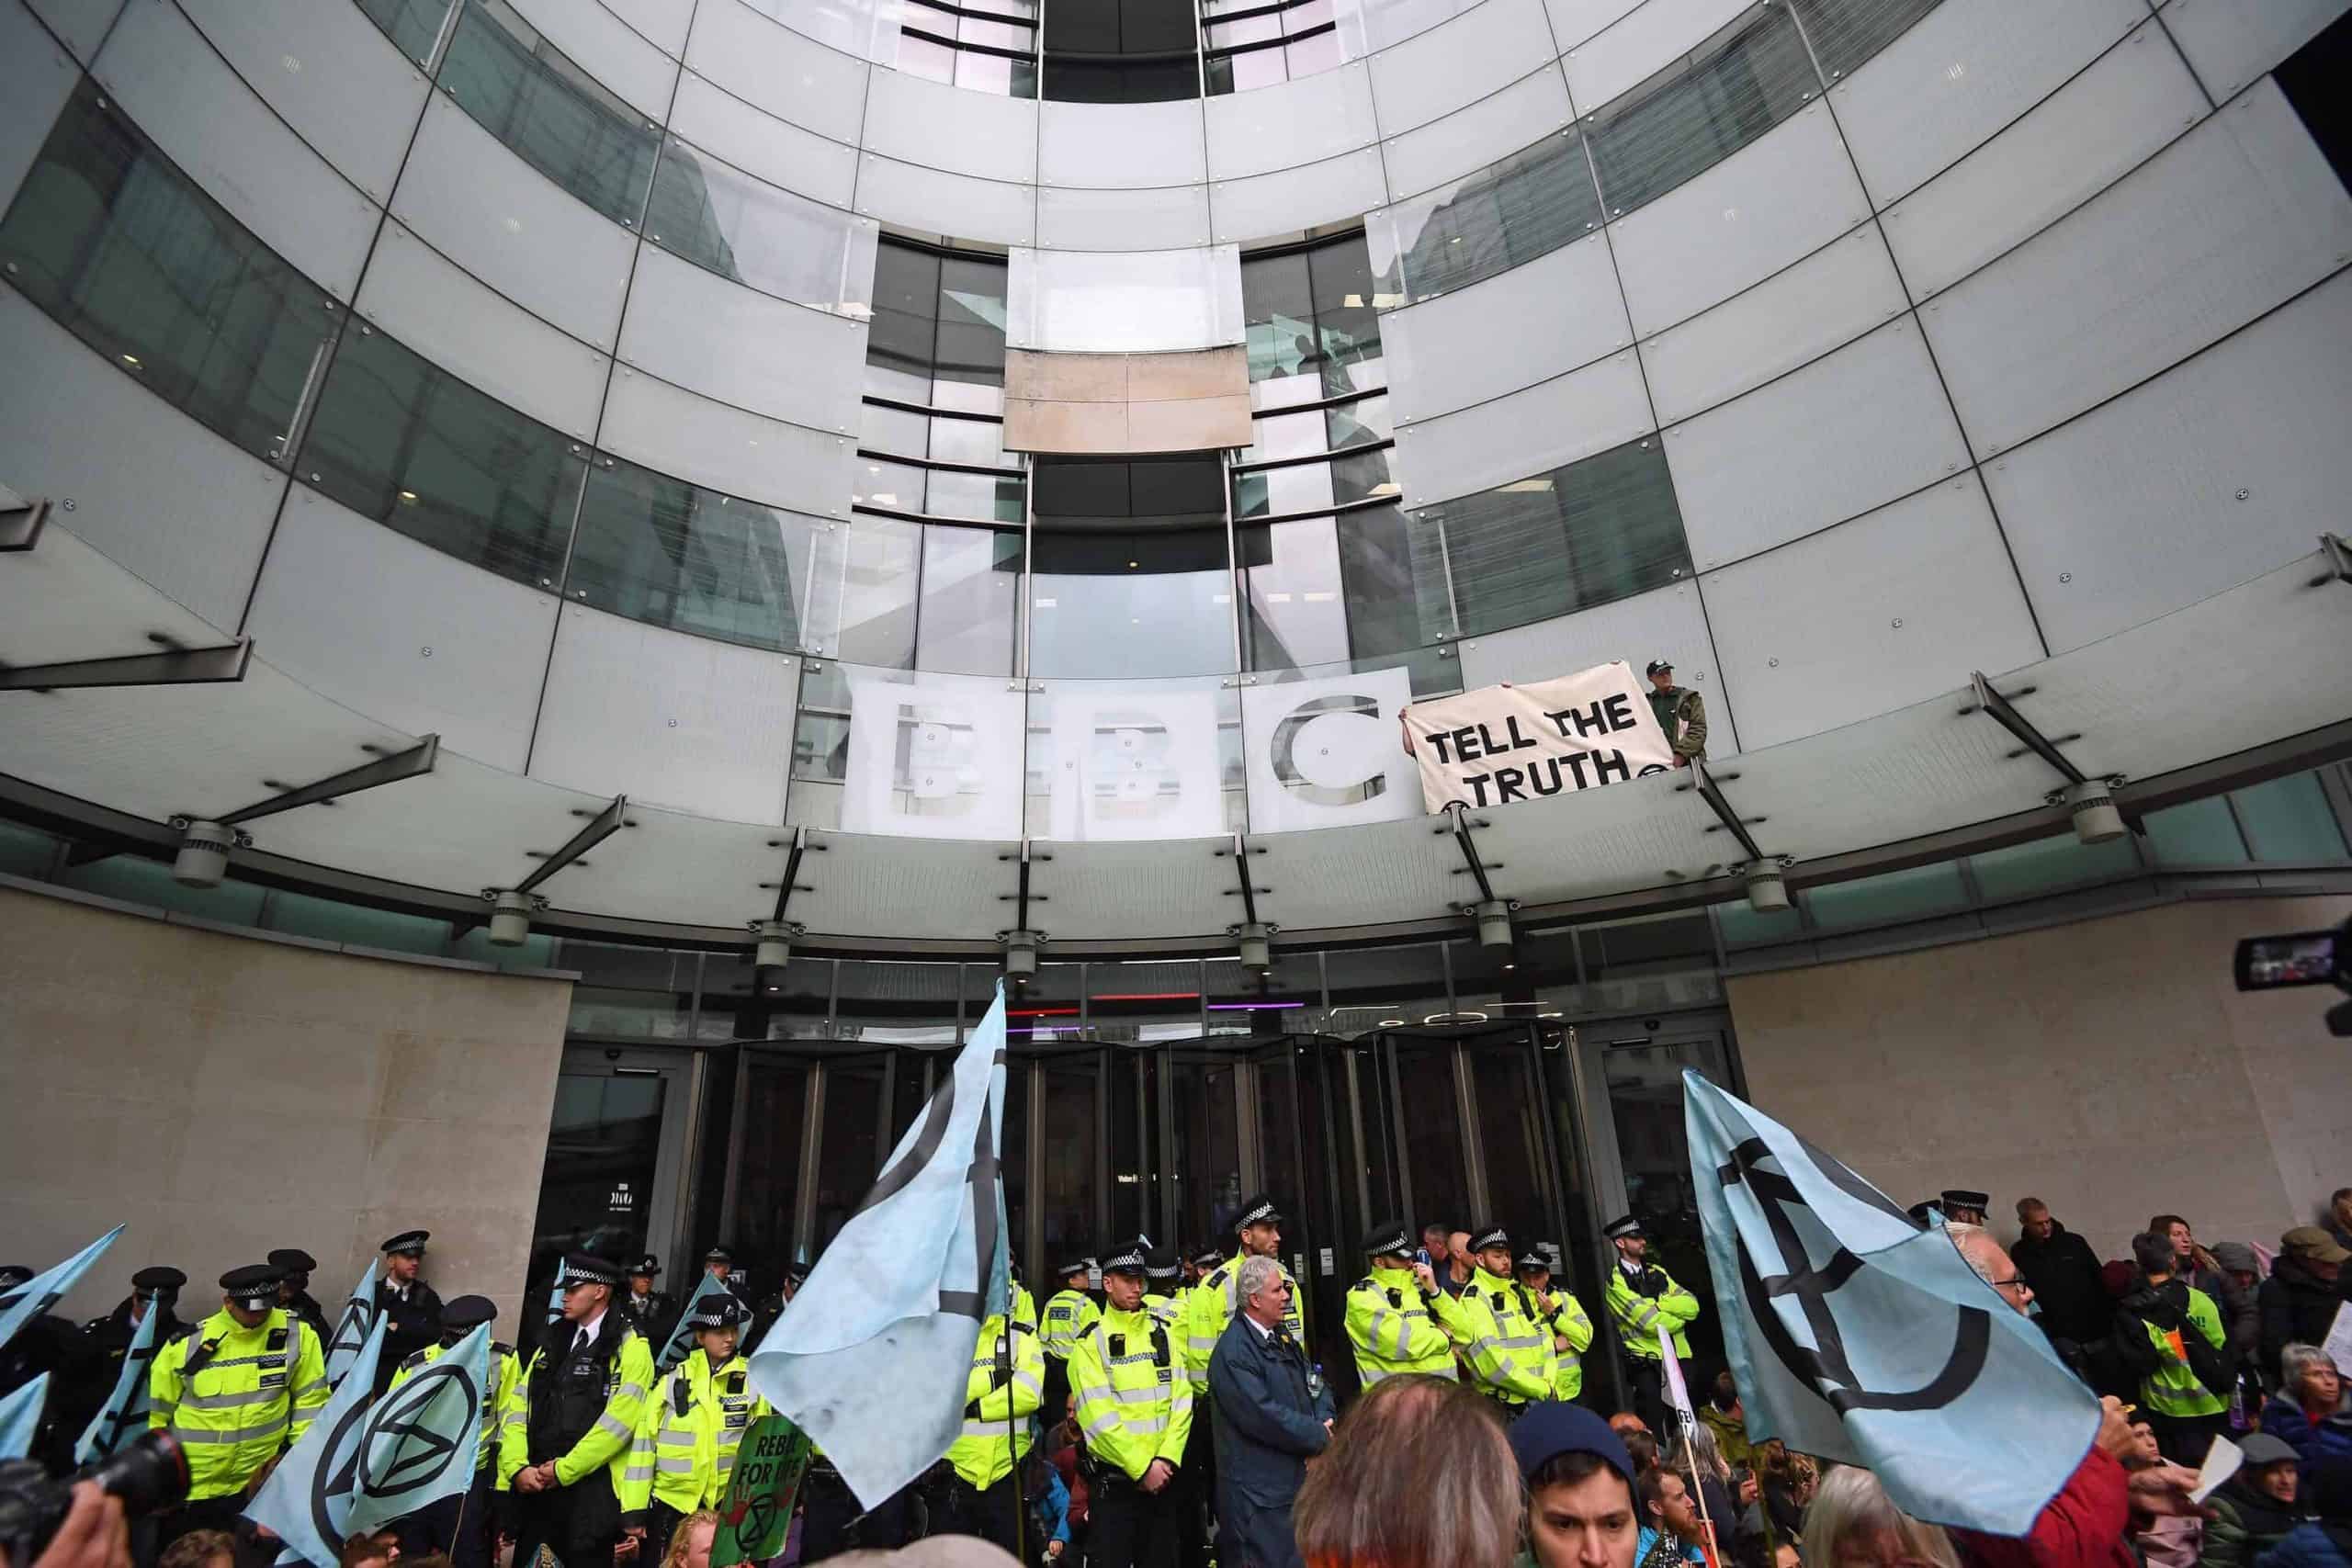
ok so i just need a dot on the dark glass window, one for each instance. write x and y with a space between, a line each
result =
548 111
658 550
2312 78
1599 530
397 438
1121 51
936 319
1310 311
411 24
126 255
1846 32
1394 574
1513 210
1702 108
731 223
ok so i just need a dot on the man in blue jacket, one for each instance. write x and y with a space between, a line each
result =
1272 1413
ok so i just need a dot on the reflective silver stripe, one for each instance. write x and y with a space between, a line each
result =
986 1430
630 1391
1403 1335
675 1466
672 1436
1570 1359
315 1384
267 1359
1151 1395
1145 1428
231 1401
1106 1422
1023 1380
1201 1342
606 1424
638 1473
1523 1341
232 1434
1645 1315
1378 1323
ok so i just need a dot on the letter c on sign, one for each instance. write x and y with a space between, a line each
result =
1318 744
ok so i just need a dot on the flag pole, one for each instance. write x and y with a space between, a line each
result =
1013 1443
1713 1550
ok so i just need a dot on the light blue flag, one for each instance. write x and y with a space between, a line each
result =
307 1497
351 1329
1859 1334
555 1296
20 1418
420 1443
682 1340
871 1356
26 1302
125 1411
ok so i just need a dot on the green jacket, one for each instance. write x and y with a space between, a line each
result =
1683 716
2244 1525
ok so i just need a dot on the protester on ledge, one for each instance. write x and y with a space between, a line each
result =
1680 712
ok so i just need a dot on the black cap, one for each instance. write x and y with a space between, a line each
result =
1534 1255
1081 1264
1128 1257
1961 1198
253 1285
1550 1428
1660 667
1259 1211
1491 1236
294 1260
407 1241
13 1275
719 1310
587 1268
648 1266
798 1273
1389 1237
1920 1210
160 1279
1162 1263
719 1255
1207 1256
1623 1226
462 1313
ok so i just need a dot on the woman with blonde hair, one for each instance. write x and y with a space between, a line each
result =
690 1542
1854 1524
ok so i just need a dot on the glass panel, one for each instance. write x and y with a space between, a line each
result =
926 56
1319 52
1599 529
767 1178
906 312
630 992
122 251
658 550
739 1002
1352 424
899 486
399 439
1288 999
2288 819
970 311
995 497
1887 897
1434 1158
849 1150
2196 832
1668 945
596 1189
1702 109
2044 865
1362 475
1135 1141
1067 1189
1513 210
151 884
728 222
1275 493
864 611
1278 314
411 24
1743 927
1134 760
1130 603
1844 33
1508 1105
1285 435
916 755
1125 301
1646 1104
1384 987
901 1004
1394 575
1207 1150
1143 1002
971 584
27 852
977 441
894 431
1298 613
1346 326
548 111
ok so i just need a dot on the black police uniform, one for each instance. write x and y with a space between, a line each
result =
299 1266
50 1344
568 1388
106 1340
411 1314
464 1526
653 1315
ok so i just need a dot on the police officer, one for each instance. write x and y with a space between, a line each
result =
1398 1320
1135 1412
295 1293
1963 1207
410 1311
720 1264
1641 1298
1509 1354
237 1390
106 1340
584 1392
1070 1312
651 1312
465 1526
685 1445
1199 1265
1163 1273
1560 1315
982 1494
772 1305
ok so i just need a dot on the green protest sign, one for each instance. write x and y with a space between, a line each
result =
757 1513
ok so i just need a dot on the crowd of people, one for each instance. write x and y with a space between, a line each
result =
1168 1409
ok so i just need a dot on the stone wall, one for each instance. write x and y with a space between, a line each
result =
225 1095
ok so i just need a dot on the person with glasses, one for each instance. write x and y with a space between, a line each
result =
1272 1413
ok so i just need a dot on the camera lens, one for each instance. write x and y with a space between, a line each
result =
149 1475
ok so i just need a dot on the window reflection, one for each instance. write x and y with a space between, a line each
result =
399 439
548 111
1298 612
658 550
970 610
1702 109
1513 210
1310 312
121 250
412 25
1393 573
1131 577
740 226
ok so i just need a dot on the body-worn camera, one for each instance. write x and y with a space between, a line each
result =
2300 958
149 1475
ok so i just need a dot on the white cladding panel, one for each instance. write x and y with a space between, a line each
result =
1525 433
1557 312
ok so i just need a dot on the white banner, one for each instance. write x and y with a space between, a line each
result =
1135 762
1499 744
938 760
1324 753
